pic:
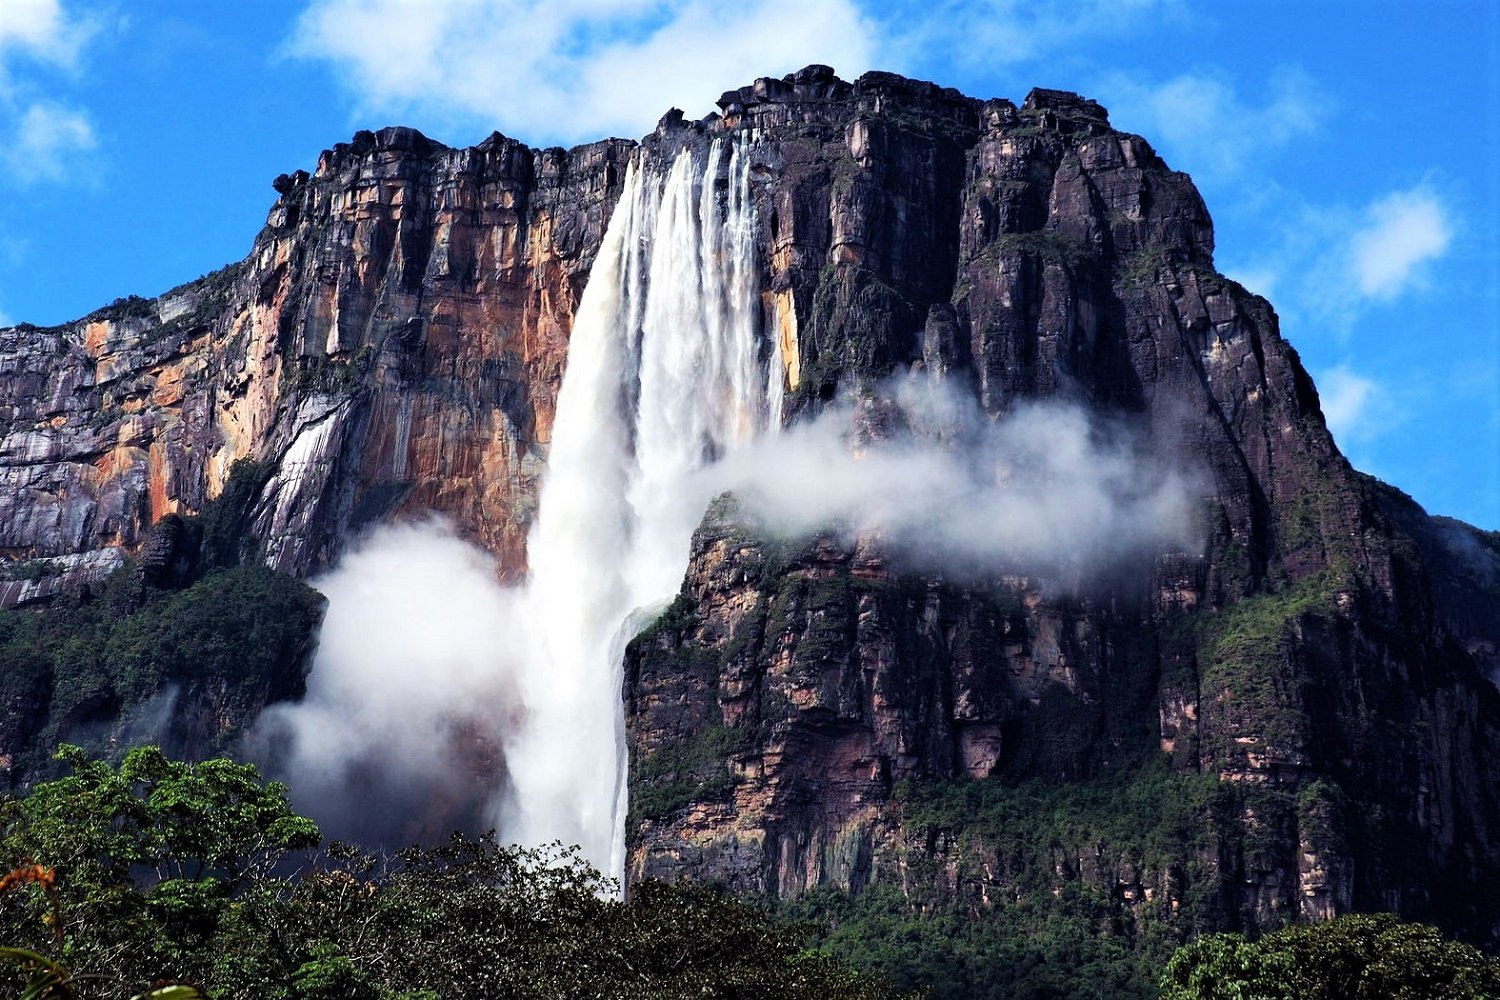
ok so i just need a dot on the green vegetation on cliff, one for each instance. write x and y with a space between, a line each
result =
183 648
1051 890
105 669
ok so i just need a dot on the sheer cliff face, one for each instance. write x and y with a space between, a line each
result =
1303 652
393 344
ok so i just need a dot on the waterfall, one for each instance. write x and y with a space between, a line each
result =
664 376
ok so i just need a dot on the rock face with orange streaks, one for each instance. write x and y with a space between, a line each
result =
393 342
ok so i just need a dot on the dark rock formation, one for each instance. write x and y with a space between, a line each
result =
1323 651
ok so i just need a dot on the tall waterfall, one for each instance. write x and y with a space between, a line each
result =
664 375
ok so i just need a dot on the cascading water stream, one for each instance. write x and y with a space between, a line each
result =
663 377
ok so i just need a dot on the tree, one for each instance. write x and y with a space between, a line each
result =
1357 957
141 860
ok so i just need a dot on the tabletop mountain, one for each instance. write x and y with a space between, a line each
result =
1294 718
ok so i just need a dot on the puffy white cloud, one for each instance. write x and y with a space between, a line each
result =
569 70
40 30
1397 235
46 142
574 70
34 24
1203 124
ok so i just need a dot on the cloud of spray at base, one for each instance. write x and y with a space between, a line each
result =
1047 488
411 689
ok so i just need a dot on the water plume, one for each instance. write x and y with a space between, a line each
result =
387 746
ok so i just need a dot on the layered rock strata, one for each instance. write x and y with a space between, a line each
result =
1314 650
393 343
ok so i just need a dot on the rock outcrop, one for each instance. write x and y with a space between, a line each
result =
1321 655
392 343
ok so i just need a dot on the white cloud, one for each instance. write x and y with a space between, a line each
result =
41 134
569 70
1398 234
1204 126
1348 400
47 141
29 23
935 36
1262 280
1329 265
40 30
1368 412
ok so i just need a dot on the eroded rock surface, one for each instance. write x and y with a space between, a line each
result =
393 343
1320 655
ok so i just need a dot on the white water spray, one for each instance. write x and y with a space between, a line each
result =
663 377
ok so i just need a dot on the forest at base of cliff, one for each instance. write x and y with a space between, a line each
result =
199 880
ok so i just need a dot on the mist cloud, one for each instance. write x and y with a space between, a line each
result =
411 690
1046 489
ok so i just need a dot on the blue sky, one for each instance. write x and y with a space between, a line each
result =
1349 152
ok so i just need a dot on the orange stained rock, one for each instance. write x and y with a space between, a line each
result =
159 470
169 388
95 336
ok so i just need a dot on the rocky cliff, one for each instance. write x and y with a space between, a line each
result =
1308 683
392 343
1322 656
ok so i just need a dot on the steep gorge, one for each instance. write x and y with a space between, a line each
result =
1311 680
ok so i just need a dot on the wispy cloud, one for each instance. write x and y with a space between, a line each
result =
41 134
1350 403
568 70
1330 265
45 143
937 36
1397 236
1204 125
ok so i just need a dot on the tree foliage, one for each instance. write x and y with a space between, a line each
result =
125 877
90 670
1358 957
